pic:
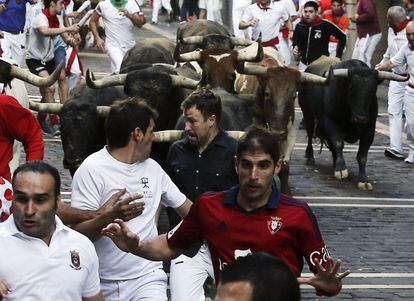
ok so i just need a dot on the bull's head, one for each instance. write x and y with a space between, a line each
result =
219 64
359 86
274 106
8 71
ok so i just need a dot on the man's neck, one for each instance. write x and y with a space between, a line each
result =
265 4
249 205
124 154
213 134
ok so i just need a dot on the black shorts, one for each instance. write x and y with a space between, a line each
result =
37 66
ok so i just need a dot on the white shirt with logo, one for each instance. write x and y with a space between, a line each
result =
97 179
269 20
66 270
118 28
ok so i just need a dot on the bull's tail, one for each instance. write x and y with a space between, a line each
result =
319 134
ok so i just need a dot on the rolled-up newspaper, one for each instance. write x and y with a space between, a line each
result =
85 18
84 6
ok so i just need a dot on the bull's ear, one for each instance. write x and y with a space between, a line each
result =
177 52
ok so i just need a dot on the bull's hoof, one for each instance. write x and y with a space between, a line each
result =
310 161
341 174
364 186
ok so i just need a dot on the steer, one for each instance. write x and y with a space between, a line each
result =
274 87
345 110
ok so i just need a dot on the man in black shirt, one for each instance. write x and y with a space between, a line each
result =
202 161
311 36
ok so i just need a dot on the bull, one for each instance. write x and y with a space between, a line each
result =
343 111
274 86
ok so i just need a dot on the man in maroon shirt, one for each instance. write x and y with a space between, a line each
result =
368 31
251 217
18 123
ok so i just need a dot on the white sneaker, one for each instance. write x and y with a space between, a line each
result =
409 159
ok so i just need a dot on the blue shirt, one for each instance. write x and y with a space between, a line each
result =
13 19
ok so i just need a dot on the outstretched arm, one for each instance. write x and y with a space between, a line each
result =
4 289
156 249
327 281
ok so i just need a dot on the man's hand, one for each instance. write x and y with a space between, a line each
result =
73 28
253 22
125 209
1 35
296 52
327 281
353 18
122 236
123 12
5 289
3 8
100 44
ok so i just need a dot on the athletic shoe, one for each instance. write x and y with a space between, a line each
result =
55 130
409 159
46 127
393 154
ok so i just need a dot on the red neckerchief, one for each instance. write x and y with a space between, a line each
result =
265 8
65 3
313 23
402 26
53 19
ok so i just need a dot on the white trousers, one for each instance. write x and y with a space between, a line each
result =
157 4
284 48
365 47
187 275
213 9
237 14
116 54
14 46
150 287
396 92
409 118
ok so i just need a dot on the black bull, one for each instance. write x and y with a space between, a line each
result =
343 111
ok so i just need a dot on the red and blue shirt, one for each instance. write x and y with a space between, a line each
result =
285 227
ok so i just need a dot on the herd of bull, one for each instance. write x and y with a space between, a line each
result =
338 99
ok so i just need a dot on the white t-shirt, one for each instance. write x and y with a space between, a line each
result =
118 28
97 179
40 47
269 20
395 43
66 270
405 56
241 3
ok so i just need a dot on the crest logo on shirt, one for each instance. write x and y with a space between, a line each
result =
144 181
318 34
75 259
274 224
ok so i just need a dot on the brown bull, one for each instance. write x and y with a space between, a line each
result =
275 88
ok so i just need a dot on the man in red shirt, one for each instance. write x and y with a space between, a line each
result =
251 217
18 123
336 15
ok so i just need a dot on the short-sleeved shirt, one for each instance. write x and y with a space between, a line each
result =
285 227
97 179
118 28
65 270
6 196
270 19
41 47
405 56
395 42
13 19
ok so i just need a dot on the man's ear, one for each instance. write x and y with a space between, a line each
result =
278 166
236 164
211 120
137 134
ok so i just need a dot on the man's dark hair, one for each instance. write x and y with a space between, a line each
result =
411 1
42 168
259 139
46 3
339 1
312 4
205 101
269 276
124 117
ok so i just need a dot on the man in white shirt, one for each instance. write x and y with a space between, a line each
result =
238 7
397 21
44 259
119 17
122 178
265 17
405 56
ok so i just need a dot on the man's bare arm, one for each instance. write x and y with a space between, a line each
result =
93 26
98 297
72 216
184 208
137 19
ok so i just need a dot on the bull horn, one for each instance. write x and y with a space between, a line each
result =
167 136
51 108
189 56
185 82
340 72
103 111
235 134
391 76
109 81
312 78
253 70
192 40
35 80
241 42
245 55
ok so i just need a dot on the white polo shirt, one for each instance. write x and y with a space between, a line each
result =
97 179
395 43
66 270
269 20
405 56
118 28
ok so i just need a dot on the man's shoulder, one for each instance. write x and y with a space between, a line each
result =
210 197
292 204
